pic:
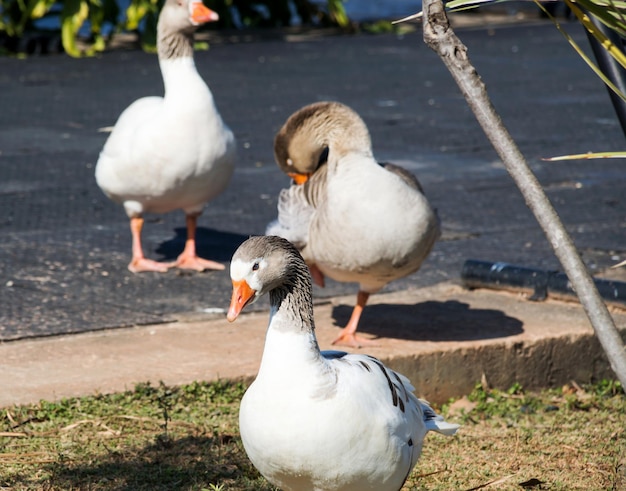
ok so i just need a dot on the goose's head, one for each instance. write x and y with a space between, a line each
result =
262 264
185 15
314 134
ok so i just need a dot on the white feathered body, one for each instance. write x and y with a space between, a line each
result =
311 423
365 224
320 421
171 152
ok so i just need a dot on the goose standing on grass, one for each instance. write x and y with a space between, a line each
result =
353 219
320 421
172 152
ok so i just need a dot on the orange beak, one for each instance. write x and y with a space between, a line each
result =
201 14
299 178
242 296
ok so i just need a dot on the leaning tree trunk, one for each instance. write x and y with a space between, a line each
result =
440 37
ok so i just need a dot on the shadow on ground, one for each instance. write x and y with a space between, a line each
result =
87 287
190 462
210 244
431 321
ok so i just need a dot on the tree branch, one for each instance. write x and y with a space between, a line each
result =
440 37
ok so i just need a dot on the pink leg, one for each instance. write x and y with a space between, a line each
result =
139 263
317 275
188 259
348 335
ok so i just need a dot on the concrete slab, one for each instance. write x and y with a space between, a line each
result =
444 338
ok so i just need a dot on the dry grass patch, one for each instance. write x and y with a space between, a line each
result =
186 438
566 439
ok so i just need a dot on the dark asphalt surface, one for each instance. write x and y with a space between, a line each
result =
64 246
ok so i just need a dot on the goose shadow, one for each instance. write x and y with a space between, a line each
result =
210 244
167 464
431 321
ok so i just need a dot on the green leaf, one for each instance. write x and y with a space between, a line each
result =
338 12
41 8
587 156
134 13
610 12
73 15
581 53
606 43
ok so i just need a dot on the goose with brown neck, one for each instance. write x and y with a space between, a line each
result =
320 420
353 219
171 152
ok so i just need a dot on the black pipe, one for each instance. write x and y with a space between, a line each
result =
610 67
538 283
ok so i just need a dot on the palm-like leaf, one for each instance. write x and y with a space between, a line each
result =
587 156
611 13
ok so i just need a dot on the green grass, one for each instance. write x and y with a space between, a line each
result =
186 438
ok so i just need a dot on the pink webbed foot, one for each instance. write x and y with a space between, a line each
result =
196 263
352 340
141 264
348 336
188 258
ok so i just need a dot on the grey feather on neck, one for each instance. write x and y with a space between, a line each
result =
173 45
293 297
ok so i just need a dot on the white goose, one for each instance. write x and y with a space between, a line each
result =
320 421
353 219
171 152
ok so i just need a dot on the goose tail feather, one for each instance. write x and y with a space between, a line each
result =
435 422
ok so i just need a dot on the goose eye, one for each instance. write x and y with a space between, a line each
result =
255 266
289 162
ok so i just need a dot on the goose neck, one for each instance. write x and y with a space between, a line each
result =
173 44
342 140
184 87
291 304
290 345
